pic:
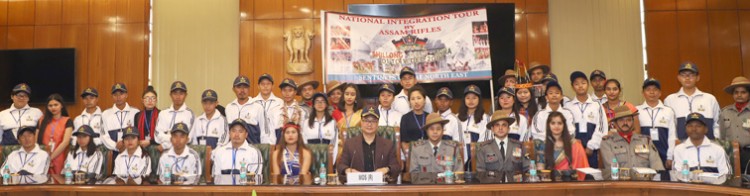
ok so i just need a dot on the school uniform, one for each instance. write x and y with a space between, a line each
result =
167 119
35 162
700 102
187 163
115 122
658 123
266 114
401 103
81 162
13 118
599 100
475 131
707 156
210 132
389 117
94 120
519 130
322 132
235 110
228 160
539 123
590 122
133 166
451 130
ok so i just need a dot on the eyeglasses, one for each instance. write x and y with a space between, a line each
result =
149 99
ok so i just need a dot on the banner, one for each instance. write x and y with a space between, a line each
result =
372 50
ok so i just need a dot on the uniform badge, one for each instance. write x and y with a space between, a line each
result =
591 116
641 149
31 163
214 132
28 118
517 152
701 109
663 120
134 169
745 124
710 160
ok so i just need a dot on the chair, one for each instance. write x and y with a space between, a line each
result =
204 153
265 151
387 132
107 161
155 155
321 153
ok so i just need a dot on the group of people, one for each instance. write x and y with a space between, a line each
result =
567 132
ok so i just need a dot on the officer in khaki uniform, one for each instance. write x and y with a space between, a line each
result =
734 119
424 153
630 150
501 154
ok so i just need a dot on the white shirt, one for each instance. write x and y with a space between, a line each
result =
247 154
591 118
319 130
596 99
401 103
188 163
115 121
133 166
700 102
389 117
13 118
661 117
505 144
235 110
451 128
35 162
706 155
167 119
266 114
539 123
212 132
520 128
471 126
95 121
89 164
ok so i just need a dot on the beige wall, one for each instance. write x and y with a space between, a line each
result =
598 34
198 43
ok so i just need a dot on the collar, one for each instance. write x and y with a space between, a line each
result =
706 142
318 121
593 96
127 107
184 153
98 111
626 136
402 93
138 152
237 102
575 100
682 92
36 149
498 140
204 117
446 113
433 145
12 108
244 146
659 105
260 98
294 104
182 108
382 110
79 150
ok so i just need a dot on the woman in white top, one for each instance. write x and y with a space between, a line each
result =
320 127
84 156
506 101
134 162
473 119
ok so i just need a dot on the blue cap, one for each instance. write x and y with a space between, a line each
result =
23 87
316 95
406 70
445 91
507 90
239 80
180 127
119 87
288 82
387 87
552 83
549 77
130 131
651 81
473 89
84 129
210 95
26 129
240 122
265 76
577 74
696 116
597 73
689 66
178 85
370 111
90 91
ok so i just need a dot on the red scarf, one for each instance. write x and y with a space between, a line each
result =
627 136
739 106
152 125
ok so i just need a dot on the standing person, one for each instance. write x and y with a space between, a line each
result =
588 117
306 91
408 81
291 111
20 114
657 121
538 72
177 113
240 107
689 99
443 103
614 92
412 122
335 94
471 116
735 118
145 120
55 131
32 159
560 151
291 156
117 118
391 117
266 107
351 106
554 98
510 79
527 106
91 116
507 102
628 149
320 128
210 128
84 156
598 79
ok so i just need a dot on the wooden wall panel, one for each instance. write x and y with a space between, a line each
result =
21 12
75 12
744 21
726 60
694 46
247 47
20 37
480 1
537 6
269 58
691 4
47 36
743 4
76 36
3 36
294 9
538 38
132 11
651 5
662 49
102 11
269 9
247 8
522 46
722 4
131 49
328 5
4 9
101 61
48 12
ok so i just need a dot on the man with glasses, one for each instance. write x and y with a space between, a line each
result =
368 152
691 100
20 114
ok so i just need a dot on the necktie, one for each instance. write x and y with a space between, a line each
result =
502 149
434 150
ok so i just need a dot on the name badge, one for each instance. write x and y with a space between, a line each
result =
745 124
364 178
641 149
654 134
517 152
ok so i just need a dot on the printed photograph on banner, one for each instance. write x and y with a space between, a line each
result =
441 47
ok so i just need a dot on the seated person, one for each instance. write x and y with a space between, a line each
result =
85 156
559 150
368 152
228 159
699 152
181 160
629 149
29 159
134 162
502 154
291 156
424 153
